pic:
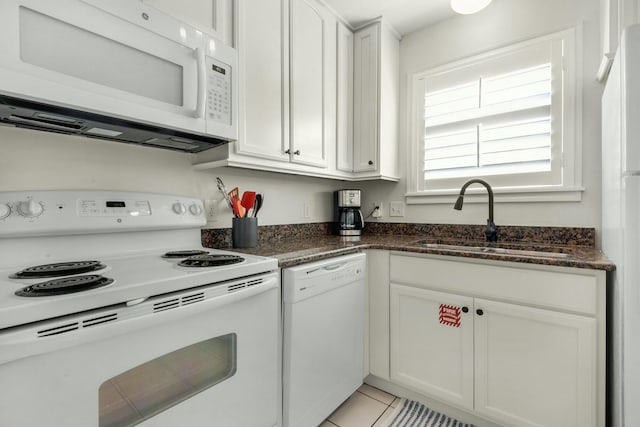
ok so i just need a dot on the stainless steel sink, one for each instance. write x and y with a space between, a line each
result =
491 249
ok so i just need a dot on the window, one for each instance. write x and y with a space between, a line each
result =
508 116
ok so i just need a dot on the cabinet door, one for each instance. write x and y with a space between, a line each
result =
344 117
378 284
263 91
308 87
211 16
535 367
428 353
366 96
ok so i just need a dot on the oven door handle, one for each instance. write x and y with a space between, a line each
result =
26 341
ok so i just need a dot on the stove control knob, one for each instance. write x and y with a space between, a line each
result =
5 210
179 208
195 209
30 209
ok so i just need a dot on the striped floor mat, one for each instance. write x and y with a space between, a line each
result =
409 413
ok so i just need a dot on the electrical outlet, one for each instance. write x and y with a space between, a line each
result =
211 210
378 212
307 210
396 209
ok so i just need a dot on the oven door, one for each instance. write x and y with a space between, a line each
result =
77 55
207 356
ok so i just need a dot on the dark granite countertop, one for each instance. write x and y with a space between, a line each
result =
298 250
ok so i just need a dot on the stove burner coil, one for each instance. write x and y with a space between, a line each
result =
65 285
210 260
58 269
183 254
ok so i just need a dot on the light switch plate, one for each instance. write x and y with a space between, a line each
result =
396 209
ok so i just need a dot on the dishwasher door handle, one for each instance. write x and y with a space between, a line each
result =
332 267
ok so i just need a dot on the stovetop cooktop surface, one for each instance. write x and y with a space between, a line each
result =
130 277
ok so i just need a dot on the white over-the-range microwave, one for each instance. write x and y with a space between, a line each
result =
118 70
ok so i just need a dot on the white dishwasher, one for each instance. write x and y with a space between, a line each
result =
323 337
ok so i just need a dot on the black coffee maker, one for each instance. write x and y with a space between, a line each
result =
348 217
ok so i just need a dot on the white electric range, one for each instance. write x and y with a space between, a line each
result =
122 278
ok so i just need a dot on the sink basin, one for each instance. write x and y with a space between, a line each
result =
476 247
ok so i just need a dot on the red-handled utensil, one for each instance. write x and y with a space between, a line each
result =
235 201
240 210
248 199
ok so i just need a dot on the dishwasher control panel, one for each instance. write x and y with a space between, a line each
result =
349 273
312 279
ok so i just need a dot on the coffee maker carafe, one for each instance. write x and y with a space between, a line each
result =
349 220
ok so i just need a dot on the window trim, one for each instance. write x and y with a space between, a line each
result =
570 189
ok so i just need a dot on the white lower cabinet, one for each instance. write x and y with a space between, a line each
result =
534 367
521 345
378 313
427 355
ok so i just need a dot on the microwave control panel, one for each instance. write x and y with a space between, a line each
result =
218 91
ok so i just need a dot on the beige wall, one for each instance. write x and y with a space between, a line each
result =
504 22
44 161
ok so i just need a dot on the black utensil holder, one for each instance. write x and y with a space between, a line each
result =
244 232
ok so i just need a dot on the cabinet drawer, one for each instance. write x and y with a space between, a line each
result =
574 290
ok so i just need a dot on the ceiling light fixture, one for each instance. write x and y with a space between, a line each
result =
467 7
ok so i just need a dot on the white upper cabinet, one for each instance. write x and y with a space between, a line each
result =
344 116
262 48
367 98
287 53
214 17
375 102
311 93
310 76
615 15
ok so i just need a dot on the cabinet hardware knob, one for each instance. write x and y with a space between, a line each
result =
297 152
465 309
479 312
287 151
370 162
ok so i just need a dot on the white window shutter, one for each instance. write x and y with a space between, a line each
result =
493 124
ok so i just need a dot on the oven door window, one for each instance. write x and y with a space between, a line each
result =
148 389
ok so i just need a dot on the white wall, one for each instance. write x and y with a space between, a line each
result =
31 160
502 23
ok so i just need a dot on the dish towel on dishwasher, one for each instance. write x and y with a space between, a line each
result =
409 413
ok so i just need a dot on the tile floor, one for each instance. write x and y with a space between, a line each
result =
367 407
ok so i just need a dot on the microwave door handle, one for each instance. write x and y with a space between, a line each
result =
202 81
